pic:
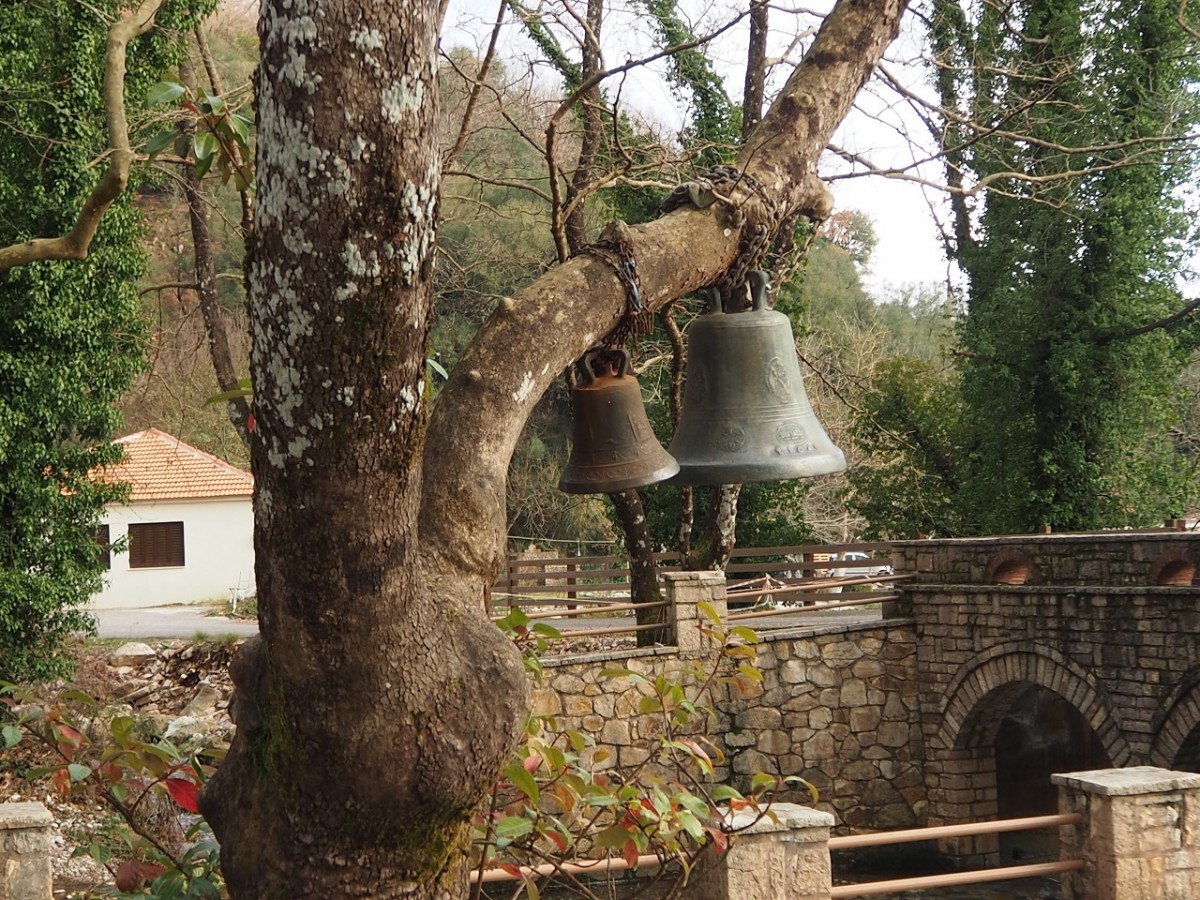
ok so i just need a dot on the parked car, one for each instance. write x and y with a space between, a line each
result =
861 565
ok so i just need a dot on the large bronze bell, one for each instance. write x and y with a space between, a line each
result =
746 416
614 447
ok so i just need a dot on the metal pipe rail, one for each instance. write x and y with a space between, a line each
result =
624 629
592 611
937 832
811 586
608 864
952 879
815 607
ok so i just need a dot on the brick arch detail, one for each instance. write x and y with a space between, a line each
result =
1179 718
1004 668
1174 567
1012 566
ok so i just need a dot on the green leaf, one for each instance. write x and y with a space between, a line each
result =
240 126
762 781
613 837
160 142
437 367
202 889
725 792
513 827
164 92
749 635
11 736
523 781
122 729
77 772
214 103
691 824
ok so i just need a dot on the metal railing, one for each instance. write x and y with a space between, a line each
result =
953 879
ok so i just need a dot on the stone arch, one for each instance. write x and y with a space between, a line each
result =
1174 568
1005 667
984 705
1178 721
1012 566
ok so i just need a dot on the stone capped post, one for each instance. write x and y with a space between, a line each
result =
685 590
25 871
784 856
1140 835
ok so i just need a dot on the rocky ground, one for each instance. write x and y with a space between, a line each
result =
179 689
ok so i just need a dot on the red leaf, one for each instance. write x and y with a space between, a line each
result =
250 422
129 876
150 870
184 793
62 781
630 853
69 740
720 840
532 762
510 869
559 841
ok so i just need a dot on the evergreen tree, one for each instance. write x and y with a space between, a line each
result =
1072 251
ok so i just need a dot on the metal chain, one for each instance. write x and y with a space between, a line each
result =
615 249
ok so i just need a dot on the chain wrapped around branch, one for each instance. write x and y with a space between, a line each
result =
616 249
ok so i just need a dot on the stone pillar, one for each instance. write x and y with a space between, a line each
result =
1140 836
785 856
685 590
25 872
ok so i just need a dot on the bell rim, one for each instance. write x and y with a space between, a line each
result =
645 479
755 473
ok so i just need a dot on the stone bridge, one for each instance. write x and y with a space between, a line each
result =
1050 653
1006 659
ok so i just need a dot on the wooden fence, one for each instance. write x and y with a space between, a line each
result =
802 572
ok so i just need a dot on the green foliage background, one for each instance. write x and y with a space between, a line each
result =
1064 413
71 333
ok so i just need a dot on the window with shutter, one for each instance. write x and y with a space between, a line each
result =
105 544
155 545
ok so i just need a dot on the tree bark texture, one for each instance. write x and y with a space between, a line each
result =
756 67
376 708
378 704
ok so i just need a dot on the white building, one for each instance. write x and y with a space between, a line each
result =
187 532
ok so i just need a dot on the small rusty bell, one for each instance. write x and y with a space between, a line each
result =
614 447
746 416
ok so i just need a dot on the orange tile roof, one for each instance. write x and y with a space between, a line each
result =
161 467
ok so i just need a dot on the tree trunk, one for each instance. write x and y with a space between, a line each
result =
215 325
377 706
756 67
590 107
715 543
643 571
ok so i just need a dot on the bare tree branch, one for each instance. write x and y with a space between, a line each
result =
75 243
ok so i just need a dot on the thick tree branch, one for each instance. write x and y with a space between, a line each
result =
531 337
75 243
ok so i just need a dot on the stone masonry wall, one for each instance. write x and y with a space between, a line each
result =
1109 622
836 706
